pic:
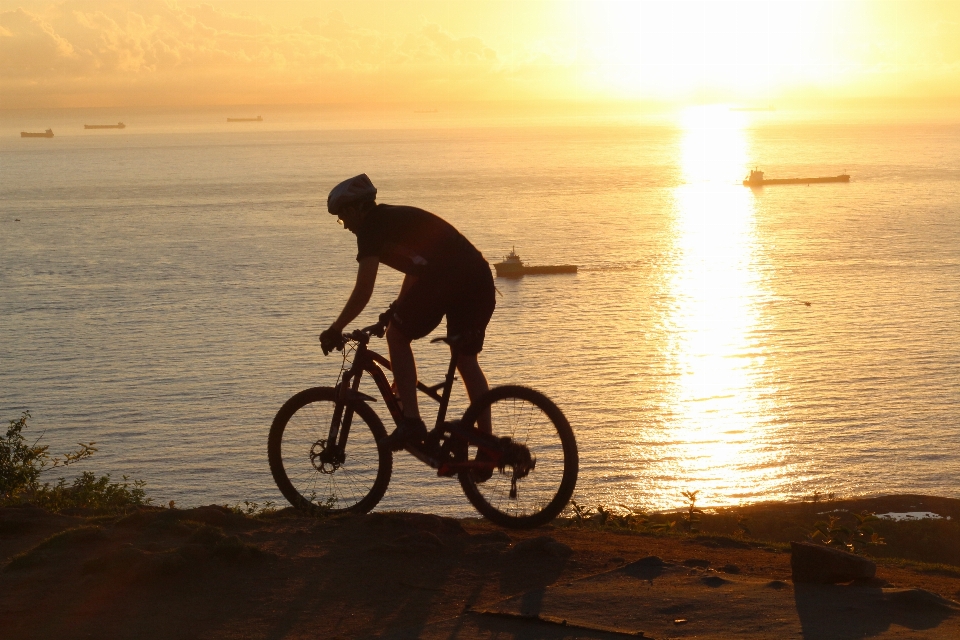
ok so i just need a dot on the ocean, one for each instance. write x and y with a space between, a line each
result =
162 289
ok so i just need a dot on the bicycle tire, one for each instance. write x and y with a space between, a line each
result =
530 418
357 485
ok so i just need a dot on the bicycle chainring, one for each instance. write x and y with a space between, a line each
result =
451 448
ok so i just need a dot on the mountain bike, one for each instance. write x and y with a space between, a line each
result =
325 457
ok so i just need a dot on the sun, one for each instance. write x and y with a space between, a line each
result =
724 50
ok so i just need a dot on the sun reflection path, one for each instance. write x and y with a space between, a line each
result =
714 434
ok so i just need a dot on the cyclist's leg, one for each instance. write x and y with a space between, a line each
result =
411 428
416 313
476 383
468 315
404 368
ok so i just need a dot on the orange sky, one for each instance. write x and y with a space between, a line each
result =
166 52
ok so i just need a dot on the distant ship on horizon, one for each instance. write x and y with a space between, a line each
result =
119 125
756 179
257 119
513 267
46 134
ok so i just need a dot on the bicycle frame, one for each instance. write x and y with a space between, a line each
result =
371 362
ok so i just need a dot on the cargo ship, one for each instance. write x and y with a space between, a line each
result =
46 134
119 125
756 179
257 119
513 267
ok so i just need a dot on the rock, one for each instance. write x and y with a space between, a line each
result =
823 565
714 581
645 568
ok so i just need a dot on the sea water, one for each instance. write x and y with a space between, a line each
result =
162 289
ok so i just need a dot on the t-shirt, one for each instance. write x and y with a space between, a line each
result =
413 241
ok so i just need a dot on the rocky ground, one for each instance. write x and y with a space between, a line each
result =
213 573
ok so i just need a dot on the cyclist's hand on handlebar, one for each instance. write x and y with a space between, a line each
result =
331 340
381 327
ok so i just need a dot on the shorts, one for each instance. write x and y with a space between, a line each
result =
465 294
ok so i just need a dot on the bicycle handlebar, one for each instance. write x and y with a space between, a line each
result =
363 335
360 335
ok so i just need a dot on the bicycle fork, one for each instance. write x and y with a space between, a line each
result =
334 448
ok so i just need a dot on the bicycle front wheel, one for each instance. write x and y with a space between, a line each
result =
311 481
529 418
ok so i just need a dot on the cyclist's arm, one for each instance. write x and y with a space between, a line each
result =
362 289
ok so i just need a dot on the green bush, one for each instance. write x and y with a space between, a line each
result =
22 464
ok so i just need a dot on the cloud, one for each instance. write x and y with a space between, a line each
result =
29 47
161 52
155 50
434 44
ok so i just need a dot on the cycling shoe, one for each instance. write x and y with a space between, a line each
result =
409 431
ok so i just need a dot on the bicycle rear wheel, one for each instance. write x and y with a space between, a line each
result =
297 438
529 418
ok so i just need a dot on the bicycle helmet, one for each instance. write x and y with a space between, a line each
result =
356 189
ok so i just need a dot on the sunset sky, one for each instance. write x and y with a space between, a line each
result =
165 52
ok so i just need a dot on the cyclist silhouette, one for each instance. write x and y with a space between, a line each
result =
444 275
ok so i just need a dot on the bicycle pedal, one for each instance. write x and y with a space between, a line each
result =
450 425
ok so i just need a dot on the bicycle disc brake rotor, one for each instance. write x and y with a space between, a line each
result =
323 459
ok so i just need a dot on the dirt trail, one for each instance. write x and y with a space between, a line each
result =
211 573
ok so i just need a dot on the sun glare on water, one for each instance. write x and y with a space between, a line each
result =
714 425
